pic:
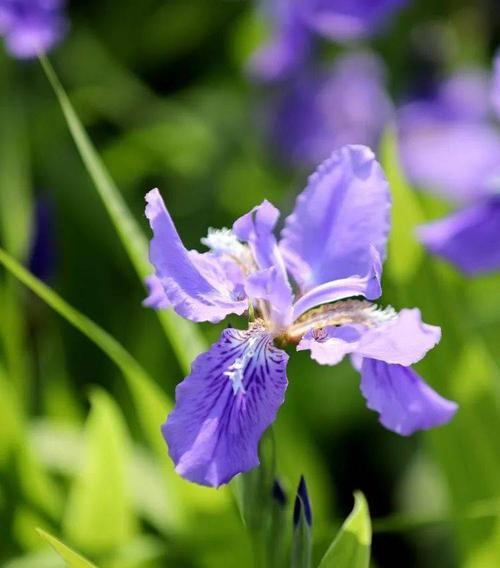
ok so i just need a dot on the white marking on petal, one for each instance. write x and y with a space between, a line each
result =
236 371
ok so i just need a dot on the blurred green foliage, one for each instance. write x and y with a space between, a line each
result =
160 88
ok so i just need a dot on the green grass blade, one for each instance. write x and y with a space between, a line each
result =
141 384
185 338
405 252
99 515
72 558
351 547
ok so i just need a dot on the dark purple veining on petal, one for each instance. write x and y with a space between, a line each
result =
214 429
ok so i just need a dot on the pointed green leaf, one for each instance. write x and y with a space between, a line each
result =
351 547
72 558
99 514
405 252
185 338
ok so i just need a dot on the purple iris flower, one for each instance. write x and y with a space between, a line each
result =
295 24
313 289
31 26
450 145
347 104
347 20
288 46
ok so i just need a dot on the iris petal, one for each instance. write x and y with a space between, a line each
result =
270 282
196 285
348 20
224 406
403 400
338 218
156 297
402 340
470 238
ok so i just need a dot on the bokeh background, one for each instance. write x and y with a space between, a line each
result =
164 89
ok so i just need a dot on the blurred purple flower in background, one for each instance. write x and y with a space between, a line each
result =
348 104
313 289
31 26
295 23
289 45
450 145
346 20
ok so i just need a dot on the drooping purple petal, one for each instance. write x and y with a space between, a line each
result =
470 238
338 218
368 286
403 339
224 406
156 294
285 52
31 26
271 281
197 286
347 20
320 111
403 400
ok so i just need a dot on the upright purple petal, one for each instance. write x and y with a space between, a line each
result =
338 218
470 238
347 20
321 111
224 406
270 282
197 286
403 400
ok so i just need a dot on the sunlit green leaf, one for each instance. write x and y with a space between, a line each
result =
71 558
99 513
15 225
351 547
184 336
405 252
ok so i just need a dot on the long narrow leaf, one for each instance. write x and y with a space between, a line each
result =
70 557
185 338
132 370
